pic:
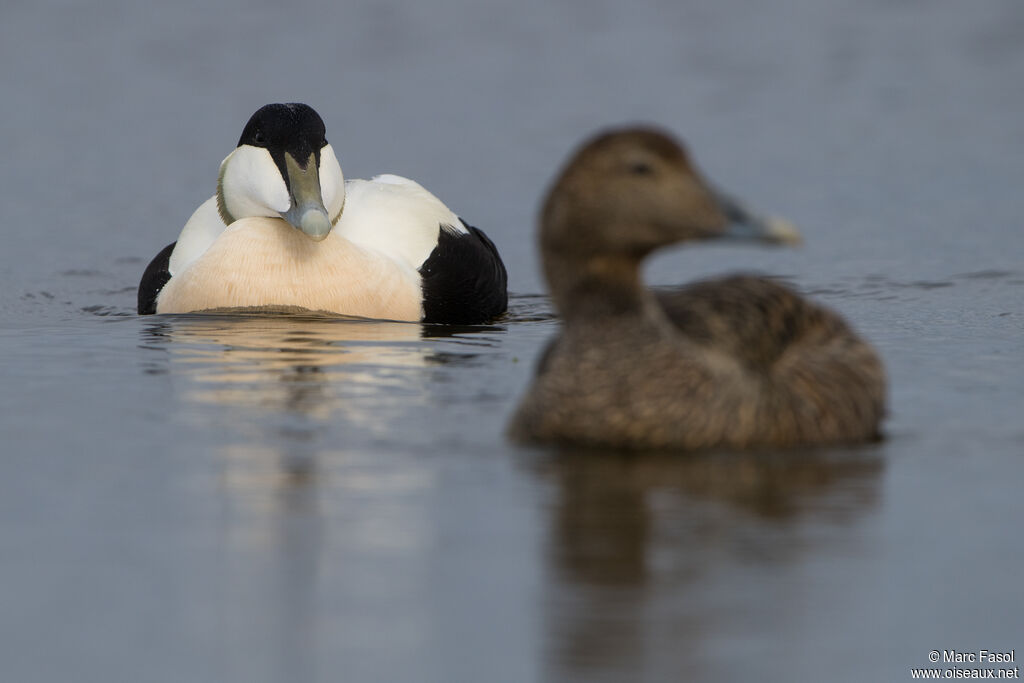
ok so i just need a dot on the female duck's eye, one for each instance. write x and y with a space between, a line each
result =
640 168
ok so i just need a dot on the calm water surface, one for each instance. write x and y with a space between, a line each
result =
232 498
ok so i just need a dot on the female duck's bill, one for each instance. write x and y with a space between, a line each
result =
739 362
285 230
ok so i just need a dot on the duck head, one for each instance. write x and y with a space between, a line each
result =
634 190
283 167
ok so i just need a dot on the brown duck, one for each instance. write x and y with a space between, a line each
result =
739 362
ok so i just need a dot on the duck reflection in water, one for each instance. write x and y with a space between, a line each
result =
296 370
303 404
651 555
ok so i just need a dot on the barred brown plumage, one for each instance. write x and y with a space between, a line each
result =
738 362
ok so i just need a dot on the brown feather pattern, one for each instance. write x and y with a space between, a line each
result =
739 362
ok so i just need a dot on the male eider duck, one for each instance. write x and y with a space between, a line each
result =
735 363
286 231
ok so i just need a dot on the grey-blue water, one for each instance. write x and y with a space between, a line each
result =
300 499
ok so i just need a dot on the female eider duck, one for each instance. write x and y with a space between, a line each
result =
736 363
286 231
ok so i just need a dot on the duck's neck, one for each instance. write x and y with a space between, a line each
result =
600 289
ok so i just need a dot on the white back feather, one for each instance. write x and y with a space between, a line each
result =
195 238
395 216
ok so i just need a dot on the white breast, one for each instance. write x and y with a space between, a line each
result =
266 262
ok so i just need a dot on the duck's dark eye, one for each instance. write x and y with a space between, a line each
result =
258 138
640 168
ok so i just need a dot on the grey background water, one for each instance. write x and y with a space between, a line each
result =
218 499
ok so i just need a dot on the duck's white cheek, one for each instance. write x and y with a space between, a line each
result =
332 182
252 184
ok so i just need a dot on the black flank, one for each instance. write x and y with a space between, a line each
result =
464 279
154 279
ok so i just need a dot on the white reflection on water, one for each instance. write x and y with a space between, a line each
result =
318 516
311 556
314 369
304 396
300 399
